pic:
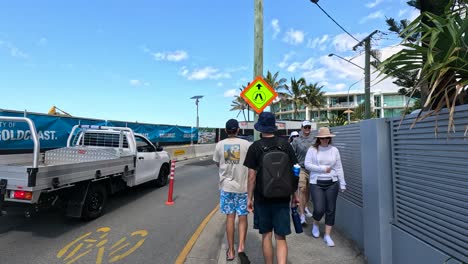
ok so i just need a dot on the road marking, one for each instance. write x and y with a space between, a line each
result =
102 234
184 253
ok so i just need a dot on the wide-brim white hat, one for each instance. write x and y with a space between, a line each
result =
324 132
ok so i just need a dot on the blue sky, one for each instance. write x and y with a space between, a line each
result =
143 60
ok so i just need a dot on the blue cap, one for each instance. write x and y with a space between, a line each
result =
232 124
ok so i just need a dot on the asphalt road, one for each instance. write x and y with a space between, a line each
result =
137 226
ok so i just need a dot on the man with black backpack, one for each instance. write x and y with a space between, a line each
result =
271 184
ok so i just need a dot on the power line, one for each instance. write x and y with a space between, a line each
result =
316 2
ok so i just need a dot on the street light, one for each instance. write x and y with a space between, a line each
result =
197 97
349 111
349 61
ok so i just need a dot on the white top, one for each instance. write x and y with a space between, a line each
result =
230 154
318 162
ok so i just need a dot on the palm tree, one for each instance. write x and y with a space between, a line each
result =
359 113
337 120
240 104
441 59
276 85
294 93
313 97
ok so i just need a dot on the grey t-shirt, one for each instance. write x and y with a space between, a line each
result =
300 145
230 154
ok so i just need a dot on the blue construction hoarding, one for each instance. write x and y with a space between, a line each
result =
53 131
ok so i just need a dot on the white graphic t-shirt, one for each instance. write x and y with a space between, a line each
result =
230 154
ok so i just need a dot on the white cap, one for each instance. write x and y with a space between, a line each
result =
306 123
294 133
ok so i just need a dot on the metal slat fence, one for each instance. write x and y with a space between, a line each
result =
430 180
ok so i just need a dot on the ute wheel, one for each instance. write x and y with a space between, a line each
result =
163 177
95 201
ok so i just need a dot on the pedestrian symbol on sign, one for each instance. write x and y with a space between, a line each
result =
261 97
258 98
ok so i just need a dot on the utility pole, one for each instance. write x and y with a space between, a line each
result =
258 49
367 46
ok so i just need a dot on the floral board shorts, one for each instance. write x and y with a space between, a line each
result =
231 203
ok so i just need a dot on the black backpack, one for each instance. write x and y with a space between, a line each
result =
276 173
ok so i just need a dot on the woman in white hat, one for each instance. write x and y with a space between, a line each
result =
326 179
293 135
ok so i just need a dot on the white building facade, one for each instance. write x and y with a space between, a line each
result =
383 104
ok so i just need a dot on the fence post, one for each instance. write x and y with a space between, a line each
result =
377 190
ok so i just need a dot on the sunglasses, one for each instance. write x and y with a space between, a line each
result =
326 138
307 127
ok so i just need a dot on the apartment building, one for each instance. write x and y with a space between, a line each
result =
383 104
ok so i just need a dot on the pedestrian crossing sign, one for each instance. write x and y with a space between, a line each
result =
258 94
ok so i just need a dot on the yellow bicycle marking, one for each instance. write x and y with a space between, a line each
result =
86 243
142 233
65 249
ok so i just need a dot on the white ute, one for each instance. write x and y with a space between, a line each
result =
96 162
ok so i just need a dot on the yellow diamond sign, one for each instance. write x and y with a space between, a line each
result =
258 94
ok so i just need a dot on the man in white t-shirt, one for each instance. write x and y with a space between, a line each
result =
229 155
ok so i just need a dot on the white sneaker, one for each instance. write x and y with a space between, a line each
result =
303 219
327 239
307 212
315 231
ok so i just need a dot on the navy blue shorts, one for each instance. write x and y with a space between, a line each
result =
273 217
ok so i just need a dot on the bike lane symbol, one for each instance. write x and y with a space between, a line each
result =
90 242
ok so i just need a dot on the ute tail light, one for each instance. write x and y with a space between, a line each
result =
21 195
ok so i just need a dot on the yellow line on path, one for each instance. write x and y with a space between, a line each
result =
183 255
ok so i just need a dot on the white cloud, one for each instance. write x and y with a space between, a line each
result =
13 50
138 83
373 4
286 57
204 73
389 51
340 86
135 82
145 49
414 14
294 37
177 55
42 42
318 42
231 93
316 75
374 15
305 66
293 67
184 71
343 42
402 12
349 73
276 27
219 84
340 69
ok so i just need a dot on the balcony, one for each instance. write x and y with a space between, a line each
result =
342 105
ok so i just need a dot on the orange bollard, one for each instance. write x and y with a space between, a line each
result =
171 184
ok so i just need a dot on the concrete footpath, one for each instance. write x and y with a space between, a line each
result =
211 246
